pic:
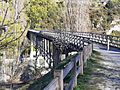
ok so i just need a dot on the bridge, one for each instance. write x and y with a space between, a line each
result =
51 45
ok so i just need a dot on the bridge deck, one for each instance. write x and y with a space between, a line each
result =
51 44
109 73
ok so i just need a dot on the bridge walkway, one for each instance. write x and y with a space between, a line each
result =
107 73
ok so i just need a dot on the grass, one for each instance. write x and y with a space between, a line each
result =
96 53
83 80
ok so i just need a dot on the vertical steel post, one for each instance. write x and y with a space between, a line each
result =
31 47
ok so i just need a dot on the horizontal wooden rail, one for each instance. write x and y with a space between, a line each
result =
70 84
53 85
68 68
70 41
76 64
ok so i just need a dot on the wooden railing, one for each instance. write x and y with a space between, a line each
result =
80 42
101 38
62 41
54 84
68 40
77 41
75 66
108 40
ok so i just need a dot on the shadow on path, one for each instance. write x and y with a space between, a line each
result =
107 71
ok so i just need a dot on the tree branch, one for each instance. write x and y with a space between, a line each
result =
7 43
4 16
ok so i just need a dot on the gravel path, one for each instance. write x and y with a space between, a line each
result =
107 77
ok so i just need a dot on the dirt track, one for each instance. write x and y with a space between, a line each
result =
107 74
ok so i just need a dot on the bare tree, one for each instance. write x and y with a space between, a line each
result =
12 38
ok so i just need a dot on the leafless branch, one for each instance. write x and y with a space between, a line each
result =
18 15
6 36
5 16
7 43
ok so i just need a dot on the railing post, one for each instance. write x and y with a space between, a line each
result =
108 43
85 56
92 41
90 47
31 47
59 74
37 64
56 56
75 74
50 53
81 62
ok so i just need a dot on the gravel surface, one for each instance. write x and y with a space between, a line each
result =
107 77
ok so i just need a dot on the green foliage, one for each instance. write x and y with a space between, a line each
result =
8 38
43 14
13 32
102 15
116 1
115 33
116 7
83 80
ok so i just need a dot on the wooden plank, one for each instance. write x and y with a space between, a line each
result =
77 58
53 85
68 68
78 71
70 84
